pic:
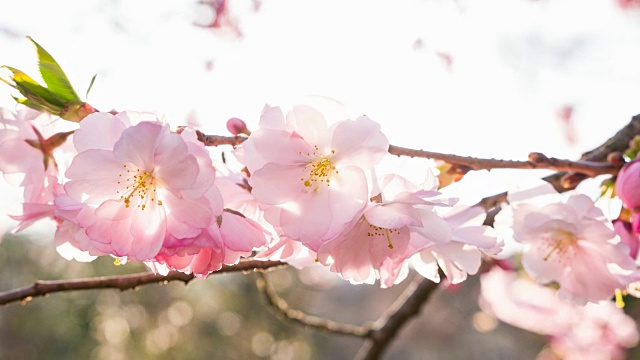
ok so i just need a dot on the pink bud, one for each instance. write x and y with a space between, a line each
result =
628 185
237 127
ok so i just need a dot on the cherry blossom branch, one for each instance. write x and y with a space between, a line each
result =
121 282
563 181
536 160
387 327
280 307
379 334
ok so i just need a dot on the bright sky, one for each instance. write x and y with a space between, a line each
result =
514 64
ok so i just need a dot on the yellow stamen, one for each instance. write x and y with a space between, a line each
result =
377 231
321 169
139 183
619 299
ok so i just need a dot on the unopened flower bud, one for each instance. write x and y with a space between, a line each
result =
571 180
538 158
628 185
237 126
615 158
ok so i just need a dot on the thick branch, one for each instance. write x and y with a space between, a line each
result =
280 306
401 311
121 282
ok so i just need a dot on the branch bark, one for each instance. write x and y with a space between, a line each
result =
617 143
589 167
401 311
280 306
121 282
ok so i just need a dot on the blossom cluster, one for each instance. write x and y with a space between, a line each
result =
312 192
125 185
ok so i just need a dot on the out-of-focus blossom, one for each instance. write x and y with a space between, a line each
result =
32 151
377 245
597 331
463 254
567 240
311 178
628 4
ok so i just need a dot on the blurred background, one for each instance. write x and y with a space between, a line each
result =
487 78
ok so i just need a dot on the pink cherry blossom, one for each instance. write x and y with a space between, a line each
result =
595 331
223 242
462 255
32 146
141 182
567 240
311 178
377 245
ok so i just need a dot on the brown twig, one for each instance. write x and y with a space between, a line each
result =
217 140
406 306
536 160
563 181
280 306
121 282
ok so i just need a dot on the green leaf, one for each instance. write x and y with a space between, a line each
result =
33 91
93 79
52 74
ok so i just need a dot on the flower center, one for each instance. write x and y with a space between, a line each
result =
139 184
559 243
380 232
321 169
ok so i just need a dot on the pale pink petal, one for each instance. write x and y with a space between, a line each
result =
544 271
457 260
359 143
148 229
289 149
173 165
241 234
538 193
426 265
392 216
196 213
308 220
137 144
94 176
98 131
276 184
434 227
310 124
272 117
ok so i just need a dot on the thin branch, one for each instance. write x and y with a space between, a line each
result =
536 160
217 140
280 306
121 282
563 181
399 313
